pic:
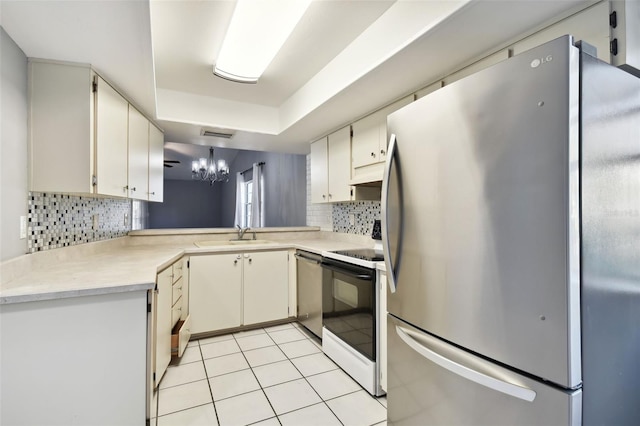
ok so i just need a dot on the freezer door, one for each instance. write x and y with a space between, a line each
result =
434 383
481 213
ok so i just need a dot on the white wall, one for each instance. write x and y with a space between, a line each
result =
13 147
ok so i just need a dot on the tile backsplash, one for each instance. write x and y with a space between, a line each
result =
363 213
60 220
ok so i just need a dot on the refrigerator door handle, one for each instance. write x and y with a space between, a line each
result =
497 384
391 151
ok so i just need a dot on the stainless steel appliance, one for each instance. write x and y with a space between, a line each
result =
511 229
309 279
350 314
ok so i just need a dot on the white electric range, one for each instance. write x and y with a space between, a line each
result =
351 314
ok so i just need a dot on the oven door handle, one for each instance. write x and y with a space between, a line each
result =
365 277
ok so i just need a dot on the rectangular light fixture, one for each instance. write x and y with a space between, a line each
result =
257 31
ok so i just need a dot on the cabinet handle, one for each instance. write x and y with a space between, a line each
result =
373 154
330 195
133 189
250 260
324 196
382 151
152 193
235 262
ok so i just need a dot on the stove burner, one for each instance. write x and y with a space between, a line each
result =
364 254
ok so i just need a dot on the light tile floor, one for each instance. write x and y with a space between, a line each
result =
269 376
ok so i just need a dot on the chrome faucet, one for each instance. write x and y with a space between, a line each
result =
242 231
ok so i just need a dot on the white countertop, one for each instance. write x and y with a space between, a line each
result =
126 267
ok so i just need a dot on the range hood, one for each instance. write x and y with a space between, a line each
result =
624 21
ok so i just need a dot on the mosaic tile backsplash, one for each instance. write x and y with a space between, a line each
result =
59 220
364 213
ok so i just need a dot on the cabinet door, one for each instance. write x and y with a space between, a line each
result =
163 323
156 164
138 180
319 171
266 286
112 112
366 140
60 127
339 146
215 292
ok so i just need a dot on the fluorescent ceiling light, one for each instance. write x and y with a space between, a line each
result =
257 31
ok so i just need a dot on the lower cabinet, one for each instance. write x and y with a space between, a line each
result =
231 290
215 299
162 324
266 287
171 324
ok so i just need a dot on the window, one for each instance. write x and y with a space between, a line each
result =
248 195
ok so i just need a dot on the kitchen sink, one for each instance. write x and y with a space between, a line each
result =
215 243
249 241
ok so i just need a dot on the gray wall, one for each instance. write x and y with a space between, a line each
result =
187 204
285 188
13 147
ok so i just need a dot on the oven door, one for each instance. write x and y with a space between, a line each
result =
349 304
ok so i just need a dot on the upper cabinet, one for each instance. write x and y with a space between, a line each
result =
338 185
331 170
112 116
319 171
138 181
85 137
146 158
156 164
369 144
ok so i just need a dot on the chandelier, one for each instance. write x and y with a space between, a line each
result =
208 170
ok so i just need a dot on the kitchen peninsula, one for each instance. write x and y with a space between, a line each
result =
75 327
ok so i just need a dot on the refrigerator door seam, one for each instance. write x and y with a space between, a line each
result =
466 372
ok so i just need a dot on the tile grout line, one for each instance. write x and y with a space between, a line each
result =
206 375
311 386
262 388
256 377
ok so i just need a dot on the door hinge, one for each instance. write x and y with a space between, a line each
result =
351 132
154 377
613 19
148 307
94 180
94 86
613 46
188 263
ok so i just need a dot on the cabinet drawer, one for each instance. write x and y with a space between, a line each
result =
180 336
177 292
176 312
177 270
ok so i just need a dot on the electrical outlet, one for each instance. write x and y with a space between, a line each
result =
352 219
96 221
23 227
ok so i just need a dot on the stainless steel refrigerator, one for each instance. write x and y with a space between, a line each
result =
511 226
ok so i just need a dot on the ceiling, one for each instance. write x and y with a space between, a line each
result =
344 60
